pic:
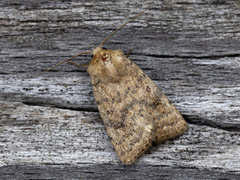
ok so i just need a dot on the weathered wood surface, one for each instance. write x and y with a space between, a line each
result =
50 126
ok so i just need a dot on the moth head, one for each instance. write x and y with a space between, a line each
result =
107 65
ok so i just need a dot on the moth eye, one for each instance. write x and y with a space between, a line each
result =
104 48
106 57
92 56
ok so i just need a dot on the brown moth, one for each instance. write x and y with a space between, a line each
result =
134 110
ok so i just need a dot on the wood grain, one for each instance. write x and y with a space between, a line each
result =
191 49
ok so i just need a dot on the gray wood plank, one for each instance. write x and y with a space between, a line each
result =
191 49
111 171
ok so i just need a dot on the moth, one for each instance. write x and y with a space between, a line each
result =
134 110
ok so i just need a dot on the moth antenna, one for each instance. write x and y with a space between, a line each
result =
135 17
86 52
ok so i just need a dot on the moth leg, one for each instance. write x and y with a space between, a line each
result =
129 53
79 65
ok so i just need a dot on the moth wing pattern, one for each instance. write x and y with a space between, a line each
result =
134 110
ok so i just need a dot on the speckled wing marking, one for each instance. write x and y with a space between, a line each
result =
129 127
134 110
168 122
